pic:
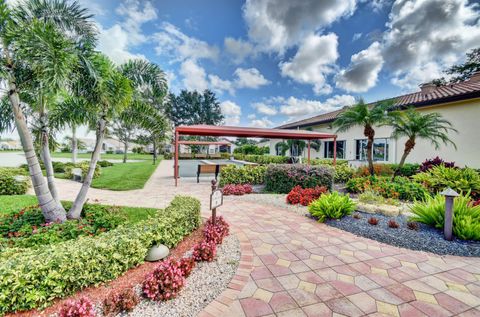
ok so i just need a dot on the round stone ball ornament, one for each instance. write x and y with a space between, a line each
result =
157 252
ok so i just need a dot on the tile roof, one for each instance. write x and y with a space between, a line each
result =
451 92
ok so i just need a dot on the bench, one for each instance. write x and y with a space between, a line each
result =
209 169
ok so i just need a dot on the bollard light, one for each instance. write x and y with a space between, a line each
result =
449 194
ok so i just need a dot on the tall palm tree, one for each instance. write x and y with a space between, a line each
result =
414 125
39 41
366 116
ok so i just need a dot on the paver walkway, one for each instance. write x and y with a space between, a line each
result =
304 268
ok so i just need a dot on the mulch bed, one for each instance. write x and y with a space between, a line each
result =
130 279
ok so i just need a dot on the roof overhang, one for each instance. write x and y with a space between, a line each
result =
186 142
210 130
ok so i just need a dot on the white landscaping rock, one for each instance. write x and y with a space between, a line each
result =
157 252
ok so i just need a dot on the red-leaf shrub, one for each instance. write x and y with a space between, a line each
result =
205 251
393 224
216 232
436 161
476 203
237 189
305 196
82 307
373 221
164 282
118 302
186 265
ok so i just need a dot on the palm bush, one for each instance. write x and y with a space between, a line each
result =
466 216
440 177
331 206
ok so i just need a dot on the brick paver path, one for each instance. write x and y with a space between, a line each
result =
304 268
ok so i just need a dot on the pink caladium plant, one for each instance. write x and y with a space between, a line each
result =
165 282
82 307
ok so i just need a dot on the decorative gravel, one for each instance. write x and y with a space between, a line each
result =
425 239
205 283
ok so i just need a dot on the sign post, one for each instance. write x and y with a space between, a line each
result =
216 200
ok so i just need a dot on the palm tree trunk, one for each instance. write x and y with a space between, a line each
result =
370 134
74 144
51 209
47 161
76 210
125 148
154 152
409 145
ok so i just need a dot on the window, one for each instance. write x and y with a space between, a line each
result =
328 149
380 150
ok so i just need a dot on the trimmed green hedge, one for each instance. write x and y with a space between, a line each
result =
281 178
34 278
247 174
13 181
262 159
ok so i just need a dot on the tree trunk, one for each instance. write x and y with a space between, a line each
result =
154 152
370 134
51 209
47 161
409 145
74 144
76 210
125 148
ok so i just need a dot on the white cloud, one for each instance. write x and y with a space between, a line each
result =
231 111
249 78
275 25
220 85
135 16
115 44
294 107
194 76
428 35
362 73
265 109
174 43
238 49
313 61
356 36
263 122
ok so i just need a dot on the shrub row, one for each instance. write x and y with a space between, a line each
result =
282 178
439 177
35 277
13 181
380 169
84 167
402 188
247 174
262 159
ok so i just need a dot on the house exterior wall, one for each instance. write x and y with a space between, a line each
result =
464 116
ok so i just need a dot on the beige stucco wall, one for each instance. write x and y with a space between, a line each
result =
465 117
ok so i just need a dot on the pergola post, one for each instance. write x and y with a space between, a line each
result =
308 160
175 166
335 151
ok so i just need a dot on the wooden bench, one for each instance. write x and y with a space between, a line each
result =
209 169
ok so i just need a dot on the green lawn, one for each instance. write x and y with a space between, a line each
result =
125 176
130 156
10 204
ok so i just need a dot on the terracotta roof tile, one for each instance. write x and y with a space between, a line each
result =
459 91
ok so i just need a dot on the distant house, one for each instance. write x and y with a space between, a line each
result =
459 103
10 145
109 145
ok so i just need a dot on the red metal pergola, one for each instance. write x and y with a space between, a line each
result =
211 130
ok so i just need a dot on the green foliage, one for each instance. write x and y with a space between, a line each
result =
248 149
372 197
247 174
13 181
282 178
125 176
35 277
104 163
331 206
459 179
12 203
378 168
262 159
407 170
84 167
466 216
402 188
343 173
327 162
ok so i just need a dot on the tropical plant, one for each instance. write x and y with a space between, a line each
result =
402 188
436 161
415 125
367 116
331 206
440 177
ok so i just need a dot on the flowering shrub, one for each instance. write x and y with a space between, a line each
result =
186 265
118 302
305 196
164 282
436 161
205 251
216 232
402 188
83 307
282 178
379 169
237 189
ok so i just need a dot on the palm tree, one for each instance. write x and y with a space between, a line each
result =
40 43
109 92
413 125
367 116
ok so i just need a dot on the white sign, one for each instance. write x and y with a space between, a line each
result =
216 199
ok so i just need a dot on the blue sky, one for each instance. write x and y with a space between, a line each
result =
275 61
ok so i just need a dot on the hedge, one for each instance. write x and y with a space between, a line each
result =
402 188
282 178
13 181
262 159
247 174
33 278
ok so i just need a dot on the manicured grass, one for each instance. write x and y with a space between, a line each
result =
9 203
13 203
130 156
125 176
